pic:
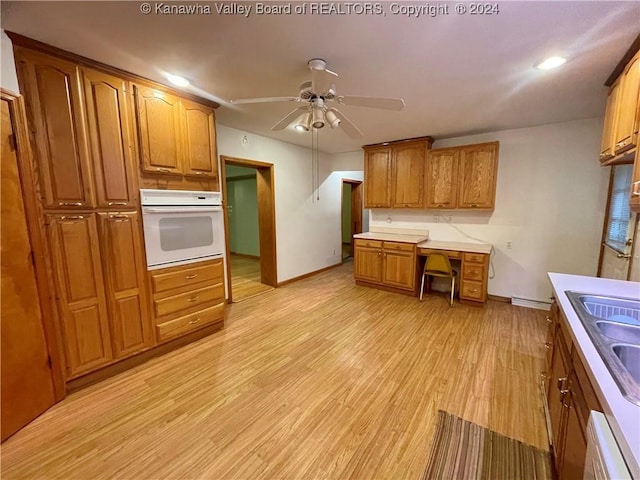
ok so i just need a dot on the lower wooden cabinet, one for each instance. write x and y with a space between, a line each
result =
187 298
570 398
385 264
79 286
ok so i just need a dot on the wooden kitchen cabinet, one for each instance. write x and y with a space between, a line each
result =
407 173
110 139
607 147
394 173
626 130
200 157
187 298
385 264
559 388
79 291
462 177
53 98
441 178
123 261
377 176
159 130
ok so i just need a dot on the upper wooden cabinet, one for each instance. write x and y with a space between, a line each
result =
478 174
441 178
176 136
199 140
109 132
462 177
394 174
607 147
629 108
53 97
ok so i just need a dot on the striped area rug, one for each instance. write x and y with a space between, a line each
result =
466 451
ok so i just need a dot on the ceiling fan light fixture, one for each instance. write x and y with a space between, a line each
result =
318 118
331 117
551 62
177 80
304 122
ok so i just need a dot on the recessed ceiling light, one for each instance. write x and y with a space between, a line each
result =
178 81
551 62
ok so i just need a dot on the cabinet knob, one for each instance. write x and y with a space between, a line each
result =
548 345
561 382
548 319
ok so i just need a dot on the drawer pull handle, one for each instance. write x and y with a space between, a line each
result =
548 319
192 299
636 188
117 203
191 277
548 345
194 321
474 205
118 216
70 204
71 217
163 170
561 382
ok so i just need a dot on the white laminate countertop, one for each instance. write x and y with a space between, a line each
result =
391 237
622 415
457 246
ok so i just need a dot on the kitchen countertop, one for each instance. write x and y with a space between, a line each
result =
392 237
457 246
622 415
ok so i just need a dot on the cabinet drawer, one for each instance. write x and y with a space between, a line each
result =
182 301
448 253
472 290
473 271
474 257
163 280
368 243
404 247
190 322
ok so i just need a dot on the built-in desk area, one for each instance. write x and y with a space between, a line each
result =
393 260
473 276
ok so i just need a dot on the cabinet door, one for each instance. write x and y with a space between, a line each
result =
399 269
408 175
477 176
377 178
441 178
558 389
160 136
368 264
575 445
80 291
52 92
634 199
609 129
199 140
628 111
124 267
107 119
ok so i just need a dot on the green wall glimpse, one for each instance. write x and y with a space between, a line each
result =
242 201
346 212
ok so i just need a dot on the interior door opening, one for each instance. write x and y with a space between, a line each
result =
351 215
248 197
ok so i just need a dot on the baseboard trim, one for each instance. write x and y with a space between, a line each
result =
245 255
528 303
307 275
499 298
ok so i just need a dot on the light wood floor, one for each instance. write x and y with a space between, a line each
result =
245 278
317 379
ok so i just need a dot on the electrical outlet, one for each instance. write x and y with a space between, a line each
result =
509 245
389 220
334 251
436 218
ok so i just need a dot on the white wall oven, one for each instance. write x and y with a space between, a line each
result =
182 226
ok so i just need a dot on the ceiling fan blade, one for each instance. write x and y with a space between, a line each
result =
372 102
282 124
346 124
240 101
322 80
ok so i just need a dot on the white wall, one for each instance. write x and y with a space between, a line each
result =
8 78
308 230
550 203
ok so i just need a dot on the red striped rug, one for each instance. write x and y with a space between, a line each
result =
466 451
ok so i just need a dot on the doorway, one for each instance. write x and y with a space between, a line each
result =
351 214
248 196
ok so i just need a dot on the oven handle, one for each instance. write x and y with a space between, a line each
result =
216 208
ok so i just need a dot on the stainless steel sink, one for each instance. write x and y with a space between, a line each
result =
613 324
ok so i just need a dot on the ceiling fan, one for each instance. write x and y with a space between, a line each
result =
316 96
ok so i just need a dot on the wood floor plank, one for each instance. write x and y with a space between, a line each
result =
317 379
245 278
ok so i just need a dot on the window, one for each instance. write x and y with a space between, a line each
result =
619 211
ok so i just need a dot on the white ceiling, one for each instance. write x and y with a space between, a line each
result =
458 74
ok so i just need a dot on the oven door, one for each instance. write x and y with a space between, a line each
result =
180 235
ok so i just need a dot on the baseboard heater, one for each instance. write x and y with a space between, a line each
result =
526 302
